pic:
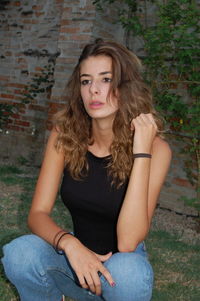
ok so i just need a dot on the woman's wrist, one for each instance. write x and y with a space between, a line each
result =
60 237
142 155
68 243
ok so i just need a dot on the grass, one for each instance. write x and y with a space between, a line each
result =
176 264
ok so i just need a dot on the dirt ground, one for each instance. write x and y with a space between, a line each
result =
187 228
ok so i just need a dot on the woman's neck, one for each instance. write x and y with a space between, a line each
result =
102 135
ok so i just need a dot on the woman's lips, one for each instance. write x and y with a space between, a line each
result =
95 104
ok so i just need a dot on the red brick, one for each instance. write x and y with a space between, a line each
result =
16 85
16 116
54 107
22 111
182 182
19 105
65 60
7 96
21 67
41 45
18 92
8 53
19 98
64 37
67 9
14 127
21 60
38 69
37 108
37 7
65 22
70 30
16 3
80 37
39 14
19 53
23 117
22 123
4 77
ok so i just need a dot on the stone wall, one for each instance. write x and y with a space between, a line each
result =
34 34
29 32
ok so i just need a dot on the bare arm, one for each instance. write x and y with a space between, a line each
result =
85 263
39 219
146 179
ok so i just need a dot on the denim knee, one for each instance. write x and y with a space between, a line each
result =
133 276
22 256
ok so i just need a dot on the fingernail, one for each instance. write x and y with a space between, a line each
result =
113 284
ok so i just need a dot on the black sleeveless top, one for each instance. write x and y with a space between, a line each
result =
94 205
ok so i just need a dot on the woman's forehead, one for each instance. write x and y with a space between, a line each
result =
96 64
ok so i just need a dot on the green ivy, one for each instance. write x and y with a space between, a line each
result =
40 83
172 52
5 111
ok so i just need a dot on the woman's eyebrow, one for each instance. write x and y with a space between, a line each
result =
101 73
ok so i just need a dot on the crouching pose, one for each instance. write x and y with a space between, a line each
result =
107 151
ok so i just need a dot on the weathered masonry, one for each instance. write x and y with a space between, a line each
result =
39 45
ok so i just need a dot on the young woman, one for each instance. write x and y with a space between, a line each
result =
108 149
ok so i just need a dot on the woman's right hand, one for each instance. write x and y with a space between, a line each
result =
86 264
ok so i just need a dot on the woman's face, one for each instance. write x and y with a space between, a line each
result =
95 78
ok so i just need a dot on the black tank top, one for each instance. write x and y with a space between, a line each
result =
94 205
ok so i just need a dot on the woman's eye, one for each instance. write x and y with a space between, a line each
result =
107 79
85 82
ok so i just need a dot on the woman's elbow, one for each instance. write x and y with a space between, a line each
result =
130 244
122 248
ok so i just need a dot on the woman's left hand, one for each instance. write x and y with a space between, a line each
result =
145 132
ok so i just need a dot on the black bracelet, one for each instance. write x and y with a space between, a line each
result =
56 236
142 155
56 247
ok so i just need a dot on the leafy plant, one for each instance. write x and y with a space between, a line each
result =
40 83
171 47
6 110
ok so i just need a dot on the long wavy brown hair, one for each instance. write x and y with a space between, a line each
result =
134 97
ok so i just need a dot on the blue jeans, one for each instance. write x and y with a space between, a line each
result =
40 274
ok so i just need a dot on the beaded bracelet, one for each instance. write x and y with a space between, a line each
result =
142 155
56 247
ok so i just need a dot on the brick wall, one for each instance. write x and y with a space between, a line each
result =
34 34
29 32
80 24
76 26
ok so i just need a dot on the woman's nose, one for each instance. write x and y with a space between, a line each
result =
94 88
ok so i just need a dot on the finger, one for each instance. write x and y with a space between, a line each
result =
104 257
151 118
90 282
140 120
82 282
146 118
132 126
153 121
136 122
97 283
107 275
